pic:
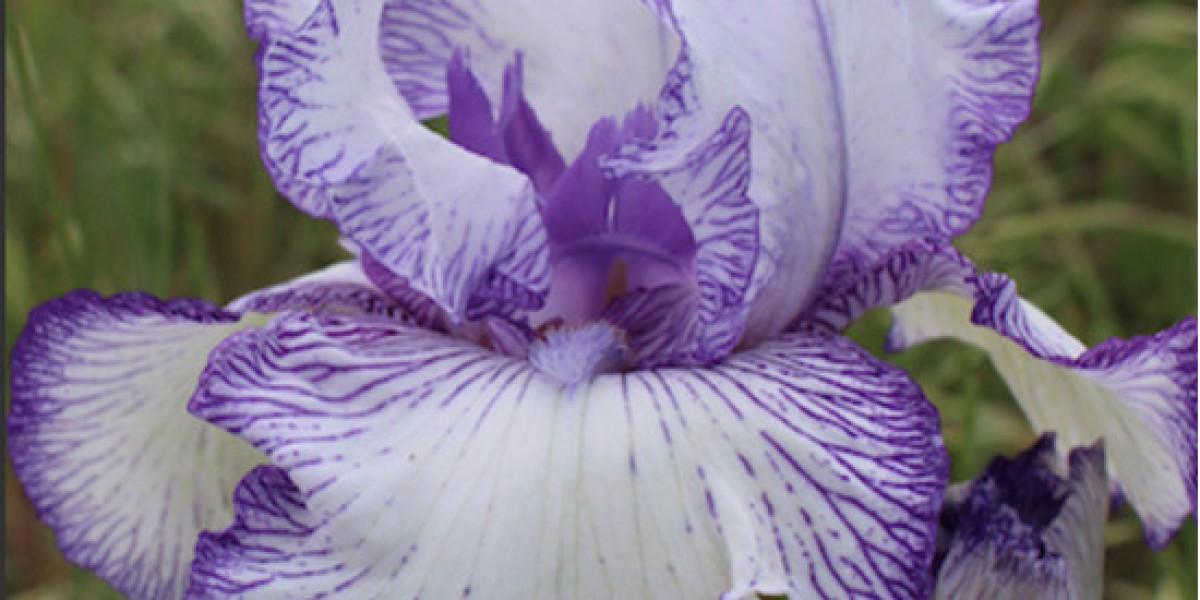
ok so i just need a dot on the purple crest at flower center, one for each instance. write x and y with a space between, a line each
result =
608 234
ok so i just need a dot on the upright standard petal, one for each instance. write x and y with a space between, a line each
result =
100 439
583 60
342 144
922 126
1138 395
874 122
100 436
407 464
1027 529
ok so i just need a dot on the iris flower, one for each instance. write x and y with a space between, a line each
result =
589 344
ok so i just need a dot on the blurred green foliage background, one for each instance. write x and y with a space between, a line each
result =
132 164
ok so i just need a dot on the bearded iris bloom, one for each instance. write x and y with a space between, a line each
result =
589 345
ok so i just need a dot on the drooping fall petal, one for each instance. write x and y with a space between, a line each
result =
99 432
410 464
1138 395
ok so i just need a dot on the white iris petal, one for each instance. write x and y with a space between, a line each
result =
426 466
1137 402
102 443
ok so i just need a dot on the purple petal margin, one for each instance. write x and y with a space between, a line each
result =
1167 360
975 65
102 444
269 18
918 266
99 433
342 144
268 506
886 136
1138 394
1060 384
425 467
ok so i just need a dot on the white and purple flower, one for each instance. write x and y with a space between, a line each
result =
1030 527
589 345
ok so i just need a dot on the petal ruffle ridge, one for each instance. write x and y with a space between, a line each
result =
893 112
425 466
267 18
924 125
1138 395
919 266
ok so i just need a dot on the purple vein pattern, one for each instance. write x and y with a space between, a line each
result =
101 441
983 58
269 18
384 179
924 265
1139 394
99 431
903 144
427 468
590 341
1029 527
712 182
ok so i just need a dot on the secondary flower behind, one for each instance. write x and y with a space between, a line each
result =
589 345
1032 527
